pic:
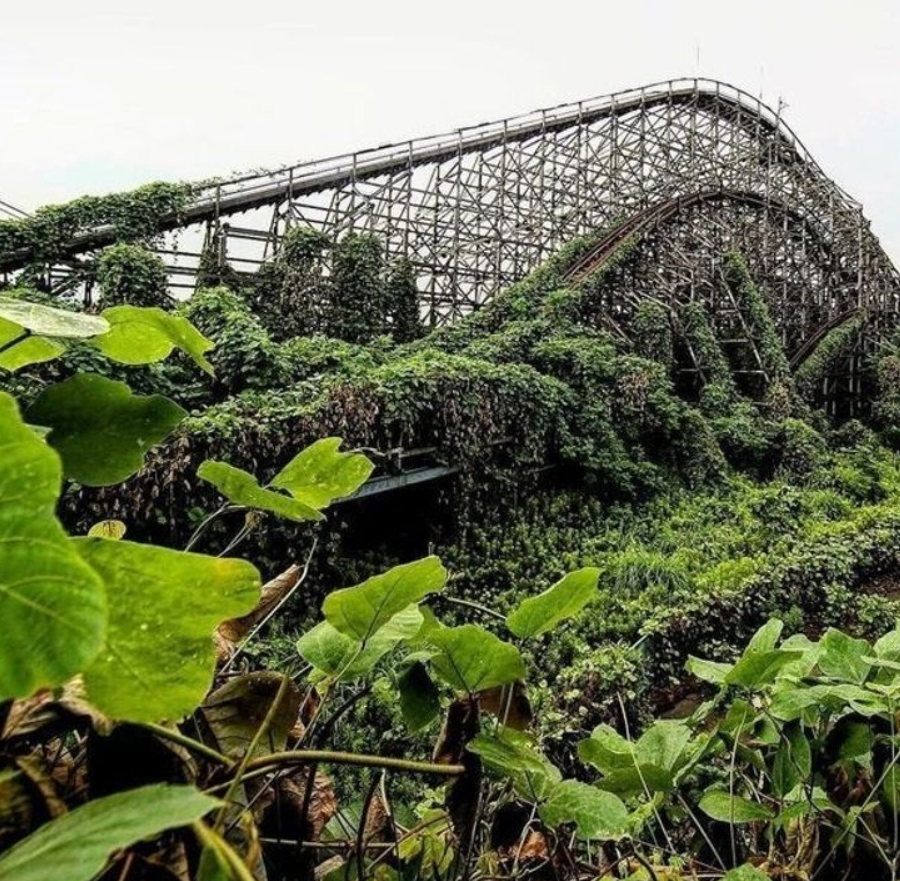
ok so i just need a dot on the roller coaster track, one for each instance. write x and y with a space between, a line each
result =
696 168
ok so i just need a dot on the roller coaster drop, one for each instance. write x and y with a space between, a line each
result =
688 170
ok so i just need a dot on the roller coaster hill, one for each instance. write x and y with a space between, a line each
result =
685 172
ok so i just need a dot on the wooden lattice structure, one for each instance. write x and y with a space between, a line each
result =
692 168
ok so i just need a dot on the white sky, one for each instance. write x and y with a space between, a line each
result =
99 95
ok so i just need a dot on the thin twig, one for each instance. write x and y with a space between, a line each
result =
187 742
273 611
205 524
245 761
471 604
305 756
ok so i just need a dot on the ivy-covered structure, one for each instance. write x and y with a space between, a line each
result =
716 198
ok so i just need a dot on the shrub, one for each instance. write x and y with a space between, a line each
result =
134 275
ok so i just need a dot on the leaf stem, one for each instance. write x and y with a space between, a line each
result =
265 764
211 839
224 508
245 761
471 604
196 746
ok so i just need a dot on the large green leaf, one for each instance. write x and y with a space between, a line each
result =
663 743
100 429
47 321
645 766
242 488
540 614
359 611
606 750
639 779
52 605
888 646
766 638
793 760
159 658
143 335
341 656
513 754
420 700
760 668
76 845
732 809
22 352
473 659
595 813
320 474
708 671
844 657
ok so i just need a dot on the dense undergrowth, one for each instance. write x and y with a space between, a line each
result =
693 504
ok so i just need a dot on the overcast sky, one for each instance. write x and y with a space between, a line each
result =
95 96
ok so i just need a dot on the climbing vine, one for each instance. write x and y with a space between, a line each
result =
759 318
833 349
133 216
132 274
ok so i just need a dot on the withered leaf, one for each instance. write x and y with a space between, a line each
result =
509 703
229 633
235 711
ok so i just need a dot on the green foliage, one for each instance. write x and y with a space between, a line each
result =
53 607
132 275
652 332
719 389
801 448
359 305
542 613
886 408
244 355
360 611
828 356
526 382
100 429
595 814
291 295
472 659
133 216
77 845
144 336
320 474
137 675
345 658
402 295
313 479
243 489
47 321
759 319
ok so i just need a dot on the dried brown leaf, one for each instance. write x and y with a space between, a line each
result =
510 704
234 712
231 632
